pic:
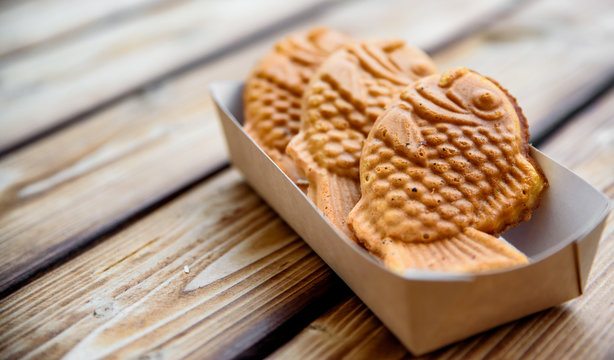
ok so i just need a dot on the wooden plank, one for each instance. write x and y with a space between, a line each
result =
426 24
132 155
579 329
112 166
557 47
348 330
30 23
49 86
209 274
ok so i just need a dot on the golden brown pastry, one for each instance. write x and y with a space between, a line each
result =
341 103
273 91
444 171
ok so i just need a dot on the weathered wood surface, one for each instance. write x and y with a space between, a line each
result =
27 23
578 329
426 24
120 161
51 85
130 295
68 188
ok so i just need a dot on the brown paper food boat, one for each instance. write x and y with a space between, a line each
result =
427 310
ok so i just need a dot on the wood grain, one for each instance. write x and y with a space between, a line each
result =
552 47
64 191
209 274
30 23
53 85
67 189
349 330
579 329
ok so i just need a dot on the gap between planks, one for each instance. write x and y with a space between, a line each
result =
571 108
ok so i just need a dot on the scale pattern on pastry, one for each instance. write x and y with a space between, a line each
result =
446 170
273 91
342 101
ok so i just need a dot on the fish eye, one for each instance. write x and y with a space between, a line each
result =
485 100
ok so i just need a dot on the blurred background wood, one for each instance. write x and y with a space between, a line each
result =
114 176
92 68
27 24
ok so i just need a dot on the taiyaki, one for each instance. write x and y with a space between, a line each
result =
273 91
444 171
341 103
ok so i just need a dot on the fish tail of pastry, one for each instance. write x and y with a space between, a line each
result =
470 251
335 196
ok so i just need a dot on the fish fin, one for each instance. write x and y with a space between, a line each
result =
397 128
281 71
471 251
343 75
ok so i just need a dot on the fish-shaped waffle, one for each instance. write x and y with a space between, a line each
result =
273 91
341 103
445 170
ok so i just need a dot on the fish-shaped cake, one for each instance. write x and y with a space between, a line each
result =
445 170
342 101
273 91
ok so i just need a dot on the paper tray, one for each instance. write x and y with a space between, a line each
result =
427 310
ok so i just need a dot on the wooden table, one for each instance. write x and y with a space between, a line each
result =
116 192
